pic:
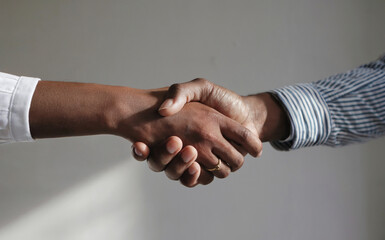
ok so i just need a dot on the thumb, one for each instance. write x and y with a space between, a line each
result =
172 105
181 93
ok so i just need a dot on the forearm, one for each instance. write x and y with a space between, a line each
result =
61 109
355 102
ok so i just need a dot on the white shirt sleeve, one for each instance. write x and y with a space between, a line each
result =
15 101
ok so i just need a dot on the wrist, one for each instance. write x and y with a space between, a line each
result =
269 117
131 110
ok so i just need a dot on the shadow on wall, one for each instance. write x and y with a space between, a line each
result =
54 167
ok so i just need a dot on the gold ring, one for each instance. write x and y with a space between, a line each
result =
216 168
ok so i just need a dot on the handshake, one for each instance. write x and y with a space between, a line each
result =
196 131
205 132
193 131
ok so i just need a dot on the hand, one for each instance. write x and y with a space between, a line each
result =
61 109
223 100
261 113
198 125
172 150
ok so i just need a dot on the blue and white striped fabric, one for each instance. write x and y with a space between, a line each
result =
339 110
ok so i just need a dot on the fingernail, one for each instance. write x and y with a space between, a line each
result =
192 171
171 147
137 152
166 104
187 156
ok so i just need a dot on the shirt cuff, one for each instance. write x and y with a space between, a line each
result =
308 114
19 111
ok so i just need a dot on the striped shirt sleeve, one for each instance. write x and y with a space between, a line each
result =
15 100
339 110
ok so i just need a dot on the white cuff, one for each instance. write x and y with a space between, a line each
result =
19 109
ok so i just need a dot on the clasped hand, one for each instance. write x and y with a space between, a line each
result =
216 126
222 126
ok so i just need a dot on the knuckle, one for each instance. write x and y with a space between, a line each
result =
259 148
246 134
238 163
209 136
203 82
175 88
234 158
256 148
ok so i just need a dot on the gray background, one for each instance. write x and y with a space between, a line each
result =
90 187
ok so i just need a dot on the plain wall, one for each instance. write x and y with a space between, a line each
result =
90 187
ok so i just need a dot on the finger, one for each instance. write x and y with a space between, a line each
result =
181 93
162 154
244 137
205 177
181 162
140 151
210 161
238 147
190 177
229 155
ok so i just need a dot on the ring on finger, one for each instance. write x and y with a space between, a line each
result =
216 168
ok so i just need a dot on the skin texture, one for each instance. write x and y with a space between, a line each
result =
61 109
261 113
187 173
